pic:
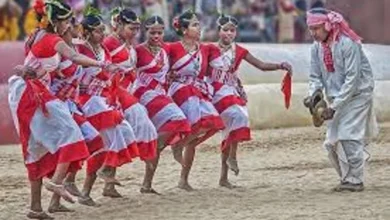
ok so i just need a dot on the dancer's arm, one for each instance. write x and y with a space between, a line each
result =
64 50
267 66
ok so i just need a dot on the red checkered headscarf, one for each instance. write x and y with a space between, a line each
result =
336 25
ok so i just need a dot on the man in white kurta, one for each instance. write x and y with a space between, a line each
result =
340 67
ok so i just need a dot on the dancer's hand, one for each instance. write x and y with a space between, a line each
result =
328 114
24 72
110 67
113 68
170 76
286 66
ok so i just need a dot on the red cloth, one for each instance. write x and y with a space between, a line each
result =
286 89
334 22
328 57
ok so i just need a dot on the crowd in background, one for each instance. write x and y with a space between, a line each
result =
269 21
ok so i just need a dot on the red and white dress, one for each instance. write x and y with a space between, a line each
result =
47 131
98 106
149 88
135 113
229 97
189 90
65 86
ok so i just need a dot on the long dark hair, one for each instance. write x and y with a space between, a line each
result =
225 19
92 19
127 16
183 21
153 21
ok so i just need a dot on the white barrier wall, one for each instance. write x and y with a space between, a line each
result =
299 56
266 103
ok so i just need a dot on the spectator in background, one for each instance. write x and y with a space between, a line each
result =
270 20
157 8
227 6
318 4
257 9
263 13
239 8
24 5
30 20
10 12
286 14
210 10
180 6
135 5
105 7
300 21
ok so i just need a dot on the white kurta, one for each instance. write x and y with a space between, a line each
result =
349 91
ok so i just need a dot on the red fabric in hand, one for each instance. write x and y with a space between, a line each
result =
286 89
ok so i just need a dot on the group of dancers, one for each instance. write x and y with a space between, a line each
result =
84 98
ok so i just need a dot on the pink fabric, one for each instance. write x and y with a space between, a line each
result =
333 22
328 57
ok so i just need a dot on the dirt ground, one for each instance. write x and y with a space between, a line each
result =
284 175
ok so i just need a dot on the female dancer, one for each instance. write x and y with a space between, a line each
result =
98 104
50 138
126 26
149 86
189 62
229 96
65 85
124 55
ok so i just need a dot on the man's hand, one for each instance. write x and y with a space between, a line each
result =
307 101
328 114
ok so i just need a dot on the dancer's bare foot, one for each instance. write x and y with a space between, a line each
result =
72 189
107 178
186 186
145 190
233 165
59 190
111 192
59 208
38 215
226 184
177 152
88 201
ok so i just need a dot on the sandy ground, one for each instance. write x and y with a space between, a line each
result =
284 175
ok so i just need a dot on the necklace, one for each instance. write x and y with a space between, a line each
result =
227 60
157 54
154 50
96 51
190 48
129 48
